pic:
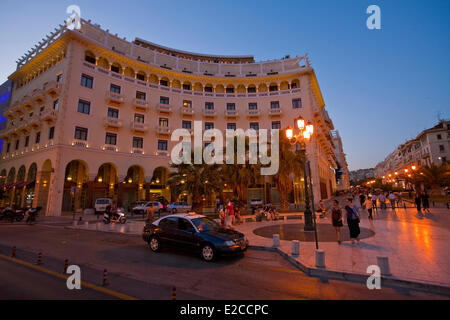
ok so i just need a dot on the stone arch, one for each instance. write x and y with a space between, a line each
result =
164 81
208 87
3 177
153 78
129 72
21 174
198 86
295 83
141 75
159 188
187 84
240 88
11 175
90 57
251 88
107 173
262 87
284 85
176 84
220 88
273 86
76 178
103 63
32 172
116 67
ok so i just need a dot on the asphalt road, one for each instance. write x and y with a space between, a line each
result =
136 271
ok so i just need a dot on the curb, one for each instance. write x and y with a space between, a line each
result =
389 281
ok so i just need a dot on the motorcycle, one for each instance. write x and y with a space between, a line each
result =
118 216
12 215
32 214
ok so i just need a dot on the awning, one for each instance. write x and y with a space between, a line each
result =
23 183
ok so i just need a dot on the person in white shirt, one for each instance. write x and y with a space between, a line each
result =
392 198
374 201
382 200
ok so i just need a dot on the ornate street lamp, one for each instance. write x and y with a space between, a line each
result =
300 137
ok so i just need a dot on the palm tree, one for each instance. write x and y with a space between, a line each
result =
433 177
291 164
198 180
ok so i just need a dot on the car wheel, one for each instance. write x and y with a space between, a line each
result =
154 244
208 253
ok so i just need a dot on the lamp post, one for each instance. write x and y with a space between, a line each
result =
300 138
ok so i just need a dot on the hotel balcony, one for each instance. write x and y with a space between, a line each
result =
49 115
137 150
275 112
139 126
80 143
110 147
114 97
52 88
162 130
209 113
231 113
112 122
38 96
253 113
140 104
34 122
187 111
165 108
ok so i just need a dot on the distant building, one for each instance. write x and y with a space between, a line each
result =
361 174
431 146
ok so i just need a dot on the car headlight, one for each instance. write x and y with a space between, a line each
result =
229 243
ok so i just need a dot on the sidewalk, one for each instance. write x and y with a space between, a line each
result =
417 248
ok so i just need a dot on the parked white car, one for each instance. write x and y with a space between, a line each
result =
179 206
142 208
101 204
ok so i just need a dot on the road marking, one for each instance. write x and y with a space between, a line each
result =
269 268
63 276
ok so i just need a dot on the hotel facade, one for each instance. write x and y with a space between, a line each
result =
91 116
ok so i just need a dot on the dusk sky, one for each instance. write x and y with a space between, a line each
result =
381 87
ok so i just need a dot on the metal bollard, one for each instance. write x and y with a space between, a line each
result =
276 240
295 248
383 263
320 259
86 224
75 223
174 293
105 278
39 258
404 205
13 254
285 218
66 265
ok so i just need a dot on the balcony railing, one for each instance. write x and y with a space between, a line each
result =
52 88
110 147
112 122
38 96
187 111
34 121
231 113
275 112
139 126
80 143
253 113
49 115
26 102
114 97
166 108
162 130
209 113
140 104
137 150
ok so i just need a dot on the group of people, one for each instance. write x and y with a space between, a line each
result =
229 215
352 217
422 201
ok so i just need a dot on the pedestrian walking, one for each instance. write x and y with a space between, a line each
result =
150 214
392 198
362 198
399 200
382 199
336 218
425 202
229 214
237 215
352 221
374 201
418 202
368 204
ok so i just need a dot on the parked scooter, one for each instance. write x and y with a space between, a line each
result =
12 215
32 214
117 216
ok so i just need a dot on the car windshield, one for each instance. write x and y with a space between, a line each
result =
205 224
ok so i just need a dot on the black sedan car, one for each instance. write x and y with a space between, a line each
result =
196 233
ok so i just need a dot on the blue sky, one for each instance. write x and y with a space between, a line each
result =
380 87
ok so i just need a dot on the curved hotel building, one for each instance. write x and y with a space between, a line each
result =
91 116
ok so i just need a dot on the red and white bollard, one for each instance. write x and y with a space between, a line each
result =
39 258
66 265
13 254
